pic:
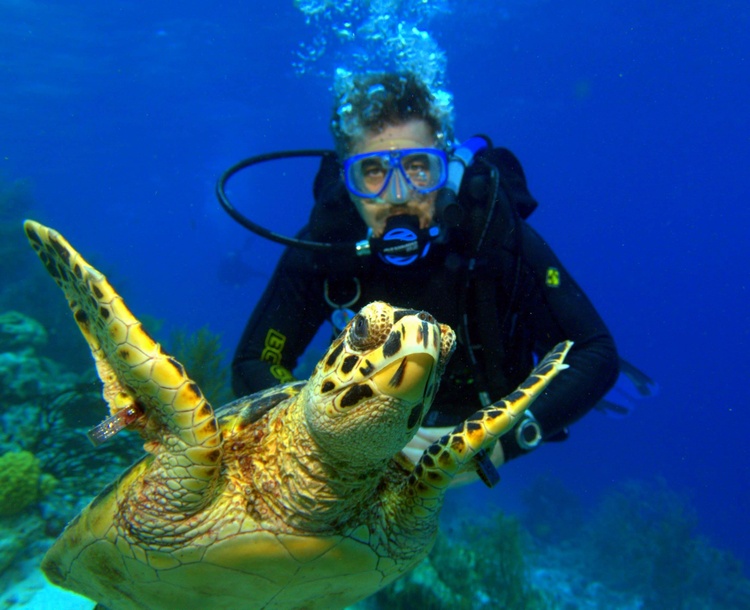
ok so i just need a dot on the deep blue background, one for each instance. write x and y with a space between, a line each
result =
630 117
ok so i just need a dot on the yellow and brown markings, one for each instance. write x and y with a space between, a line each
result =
445 458
247 410
356 394
384 351
392 345
366 369
398 375
415 416
333 355
135 370
348 364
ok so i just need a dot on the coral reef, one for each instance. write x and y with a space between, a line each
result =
24 374
482 566
638 550
48 469
20 331
17 533
21 482
642 538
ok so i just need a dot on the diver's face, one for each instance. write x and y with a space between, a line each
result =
415 133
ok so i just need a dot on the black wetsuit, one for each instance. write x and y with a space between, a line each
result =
518 301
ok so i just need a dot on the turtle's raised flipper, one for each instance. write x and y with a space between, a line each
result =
145 388
447 457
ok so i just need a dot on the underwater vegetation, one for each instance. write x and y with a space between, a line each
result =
50 396
642 537
22 482
637 549
201 355
48 469
481 565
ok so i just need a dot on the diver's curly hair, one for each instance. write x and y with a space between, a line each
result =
373 100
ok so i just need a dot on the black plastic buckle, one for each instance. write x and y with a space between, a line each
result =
486 469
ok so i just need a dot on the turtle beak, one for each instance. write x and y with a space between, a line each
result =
406 378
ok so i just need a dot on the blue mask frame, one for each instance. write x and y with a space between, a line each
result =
400 183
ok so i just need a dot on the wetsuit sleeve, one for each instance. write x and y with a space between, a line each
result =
556 309
282 325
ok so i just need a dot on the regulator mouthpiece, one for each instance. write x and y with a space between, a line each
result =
403 241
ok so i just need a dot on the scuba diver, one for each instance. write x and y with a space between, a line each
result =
408 218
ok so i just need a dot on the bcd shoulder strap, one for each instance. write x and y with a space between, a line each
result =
495 284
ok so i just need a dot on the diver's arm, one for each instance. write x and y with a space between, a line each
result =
558 311
281 326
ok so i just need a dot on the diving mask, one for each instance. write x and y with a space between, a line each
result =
398 173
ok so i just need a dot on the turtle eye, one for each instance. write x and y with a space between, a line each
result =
359 331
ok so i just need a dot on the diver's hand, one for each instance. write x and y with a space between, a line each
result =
426 436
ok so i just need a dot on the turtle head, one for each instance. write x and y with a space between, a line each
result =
370 392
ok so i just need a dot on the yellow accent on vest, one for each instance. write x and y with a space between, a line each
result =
281 373
272 347
553 277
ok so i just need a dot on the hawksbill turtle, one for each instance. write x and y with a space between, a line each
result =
294 497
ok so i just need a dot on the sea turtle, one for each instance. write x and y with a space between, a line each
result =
294 497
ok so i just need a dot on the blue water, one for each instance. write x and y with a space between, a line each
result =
630 118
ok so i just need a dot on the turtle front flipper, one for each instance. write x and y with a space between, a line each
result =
450 455
145 388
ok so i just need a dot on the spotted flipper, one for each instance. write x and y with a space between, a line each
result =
451 454
145 388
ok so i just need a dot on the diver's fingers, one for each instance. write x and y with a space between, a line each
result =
423 439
